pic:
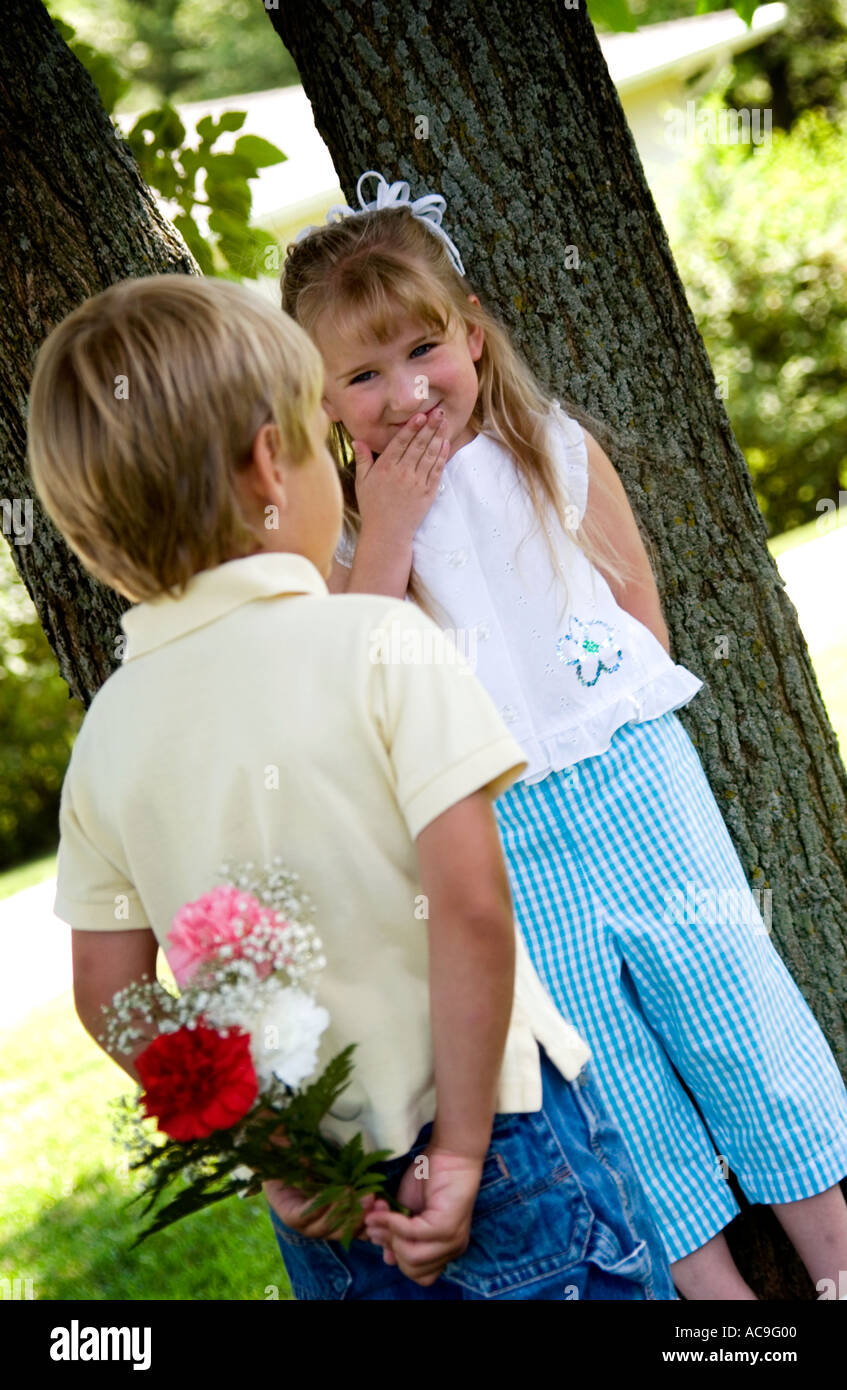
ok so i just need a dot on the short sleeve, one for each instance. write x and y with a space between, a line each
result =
346 548
92 892
444 736
571 455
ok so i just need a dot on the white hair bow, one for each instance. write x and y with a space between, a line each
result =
430 209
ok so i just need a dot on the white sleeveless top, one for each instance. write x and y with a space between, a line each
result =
566 668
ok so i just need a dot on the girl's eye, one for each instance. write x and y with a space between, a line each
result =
361 377
424 347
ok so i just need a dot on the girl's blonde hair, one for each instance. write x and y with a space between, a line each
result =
144 406
361 272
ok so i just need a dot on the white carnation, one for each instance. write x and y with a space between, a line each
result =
286 1035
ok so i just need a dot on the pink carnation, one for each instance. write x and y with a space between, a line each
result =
220 918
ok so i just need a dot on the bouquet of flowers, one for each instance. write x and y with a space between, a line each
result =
224 1073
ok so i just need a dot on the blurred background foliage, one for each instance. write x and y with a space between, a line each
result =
758 236
182 50
760 241
38 724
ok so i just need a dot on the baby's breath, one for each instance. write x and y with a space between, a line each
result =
285 942
282 946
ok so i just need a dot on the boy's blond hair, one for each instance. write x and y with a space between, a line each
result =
145 403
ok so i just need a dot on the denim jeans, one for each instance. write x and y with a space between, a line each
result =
561 1214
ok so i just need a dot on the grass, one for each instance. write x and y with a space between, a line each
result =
800 535
830 660
27 875
64 1223
831 670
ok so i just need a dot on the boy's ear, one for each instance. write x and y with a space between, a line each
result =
266 469
331 414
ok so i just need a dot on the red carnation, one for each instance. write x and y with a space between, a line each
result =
196 1081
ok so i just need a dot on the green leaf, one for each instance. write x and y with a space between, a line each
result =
231 120
65 31
158 170
196 243
191 162
241 255
746 9
186 1204
223 167
260 153
247 254
313 1103
262 240
108 78
615 14
163 124
106 75
231 197
209 130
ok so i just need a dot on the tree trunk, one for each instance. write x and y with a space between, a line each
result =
76 216
528 143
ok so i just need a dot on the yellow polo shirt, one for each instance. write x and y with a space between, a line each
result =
257 716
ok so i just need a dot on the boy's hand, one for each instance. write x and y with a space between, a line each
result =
289 1203
396 490
439 1231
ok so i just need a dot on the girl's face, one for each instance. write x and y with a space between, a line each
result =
373 388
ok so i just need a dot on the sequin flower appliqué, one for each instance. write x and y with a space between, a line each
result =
591 647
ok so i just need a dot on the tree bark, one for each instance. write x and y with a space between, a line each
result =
528 143
75 216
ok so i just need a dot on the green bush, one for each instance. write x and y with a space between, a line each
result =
758 236
38 724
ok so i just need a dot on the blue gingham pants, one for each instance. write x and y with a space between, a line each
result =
637 915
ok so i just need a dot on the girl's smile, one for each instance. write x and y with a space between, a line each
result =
375 387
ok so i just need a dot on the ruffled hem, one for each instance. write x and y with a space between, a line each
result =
571 745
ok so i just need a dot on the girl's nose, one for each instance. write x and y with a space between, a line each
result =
404 397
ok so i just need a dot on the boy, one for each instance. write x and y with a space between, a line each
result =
178 441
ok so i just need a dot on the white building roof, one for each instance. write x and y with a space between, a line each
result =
683 46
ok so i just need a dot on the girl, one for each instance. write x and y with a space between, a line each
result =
473 494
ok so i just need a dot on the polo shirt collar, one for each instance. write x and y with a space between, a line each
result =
214 592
